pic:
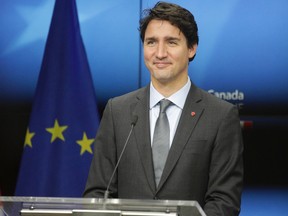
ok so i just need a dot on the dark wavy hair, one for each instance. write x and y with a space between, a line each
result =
177 16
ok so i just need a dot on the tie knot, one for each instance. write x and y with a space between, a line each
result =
164 104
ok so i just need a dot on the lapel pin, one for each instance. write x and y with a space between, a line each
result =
193 114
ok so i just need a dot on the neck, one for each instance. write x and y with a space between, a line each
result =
169 88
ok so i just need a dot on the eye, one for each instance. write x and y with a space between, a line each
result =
172 42
150 42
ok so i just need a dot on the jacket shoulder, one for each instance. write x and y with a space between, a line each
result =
130 96
210 99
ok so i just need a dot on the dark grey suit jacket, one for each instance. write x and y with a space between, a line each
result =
204 161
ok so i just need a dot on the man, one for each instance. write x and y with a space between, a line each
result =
205 147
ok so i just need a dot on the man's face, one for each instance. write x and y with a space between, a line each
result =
166 53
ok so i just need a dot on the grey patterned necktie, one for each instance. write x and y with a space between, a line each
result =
160 145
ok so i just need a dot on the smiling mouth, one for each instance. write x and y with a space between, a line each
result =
161 64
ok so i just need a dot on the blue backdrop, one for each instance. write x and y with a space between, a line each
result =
241 57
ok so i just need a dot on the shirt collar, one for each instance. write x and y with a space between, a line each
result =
178 98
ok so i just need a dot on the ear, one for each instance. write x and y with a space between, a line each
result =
192 51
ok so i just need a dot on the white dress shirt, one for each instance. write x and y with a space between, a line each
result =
173 112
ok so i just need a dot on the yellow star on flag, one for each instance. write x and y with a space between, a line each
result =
28 138
85 144
57 131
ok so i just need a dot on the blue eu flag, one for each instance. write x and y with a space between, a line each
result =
64 118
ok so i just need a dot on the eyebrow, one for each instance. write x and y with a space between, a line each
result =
166 38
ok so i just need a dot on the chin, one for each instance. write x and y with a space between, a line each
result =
163 79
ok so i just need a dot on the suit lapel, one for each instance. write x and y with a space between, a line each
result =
191 113
142 134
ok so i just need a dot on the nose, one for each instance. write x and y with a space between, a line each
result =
161 51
